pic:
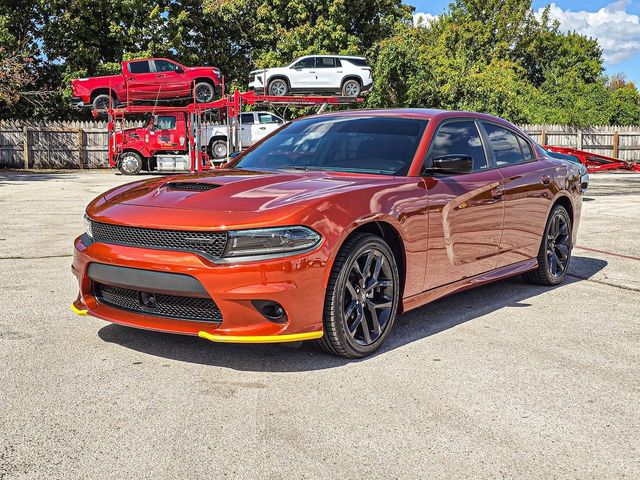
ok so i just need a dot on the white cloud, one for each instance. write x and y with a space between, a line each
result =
424 18
617 31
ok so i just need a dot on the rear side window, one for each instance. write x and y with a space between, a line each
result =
325 62
459 138
139 67
358 62
505 145
527 154
246 118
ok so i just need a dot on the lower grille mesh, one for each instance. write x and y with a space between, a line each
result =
171 306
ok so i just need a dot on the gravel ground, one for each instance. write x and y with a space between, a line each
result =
507 380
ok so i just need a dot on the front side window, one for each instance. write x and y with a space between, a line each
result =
165 122
139 67
325 62
166 66
363 144
268 118
305 63
505 145
458 138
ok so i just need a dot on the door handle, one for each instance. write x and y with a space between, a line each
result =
160 75
339 71
312 71
497 193
132 79
263 128
546 179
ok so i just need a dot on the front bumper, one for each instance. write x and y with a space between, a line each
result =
295 282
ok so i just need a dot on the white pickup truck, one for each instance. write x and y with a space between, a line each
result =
253 127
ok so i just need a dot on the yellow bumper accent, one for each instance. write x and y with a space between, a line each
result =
294 337
78 311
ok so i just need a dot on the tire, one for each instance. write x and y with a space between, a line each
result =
346 301
278 87
130 163
203 92
351 88
555 250
218 148
103 101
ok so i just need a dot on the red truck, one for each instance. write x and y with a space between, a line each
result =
145 80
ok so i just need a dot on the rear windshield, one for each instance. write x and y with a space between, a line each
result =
358 62
363 144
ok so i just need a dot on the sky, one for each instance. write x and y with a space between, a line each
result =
615 24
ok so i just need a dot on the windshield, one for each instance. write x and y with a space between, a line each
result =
363 144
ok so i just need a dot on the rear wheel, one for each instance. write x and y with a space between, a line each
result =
130 163
362 298
555 250
103 101
278 87
218 148
203 92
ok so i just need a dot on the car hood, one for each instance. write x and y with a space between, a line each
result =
236 190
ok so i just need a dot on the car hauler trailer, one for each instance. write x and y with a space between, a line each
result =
179 139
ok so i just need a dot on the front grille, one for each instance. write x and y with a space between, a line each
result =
211 244
170 306
191 186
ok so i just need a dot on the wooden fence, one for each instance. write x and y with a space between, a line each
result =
84 144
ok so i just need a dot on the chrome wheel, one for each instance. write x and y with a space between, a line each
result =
219 149
558 244
101 102
368 297
278 88
130 164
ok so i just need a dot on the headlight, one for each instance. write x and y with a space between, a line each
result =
87 226
268 241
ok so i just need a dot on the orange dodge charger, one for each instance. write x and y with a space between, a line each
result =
328 228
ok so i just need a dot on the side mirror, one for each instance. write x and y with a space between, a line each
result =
452 163
180 70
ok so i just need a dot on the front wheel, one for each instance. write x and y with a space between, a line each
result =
278 87
362 298
555 250
203 92
351 88
130 163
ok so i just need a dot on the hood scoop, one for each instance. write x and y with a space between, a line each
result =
192 186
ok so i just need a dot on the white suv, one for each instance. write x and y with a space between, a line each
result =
336 74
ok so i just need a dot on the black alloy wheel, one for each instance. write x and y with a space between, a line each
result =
555 250
362 297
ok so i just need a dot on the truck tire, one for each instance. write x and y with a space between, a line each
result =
103 101
130 163
203 92
218 148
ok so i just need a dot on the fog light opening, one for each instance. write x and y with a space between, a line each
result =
272 311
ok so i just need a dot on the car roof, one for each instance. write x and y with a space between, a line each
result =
347 57
423 113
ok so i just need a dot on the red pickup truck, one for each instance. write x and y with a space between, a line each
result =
145 80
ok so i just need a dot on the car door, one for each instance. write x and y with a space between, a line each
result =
169 132
266 123
247 123
170 79
302 74
327 73
141 81
465 210
526 191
